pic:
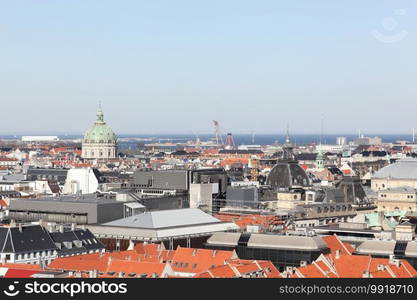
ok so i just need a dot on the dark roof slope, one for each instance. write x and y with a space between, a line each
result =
25 239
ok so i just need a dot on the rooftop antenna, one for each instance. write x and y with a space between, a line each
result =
287 137
288 146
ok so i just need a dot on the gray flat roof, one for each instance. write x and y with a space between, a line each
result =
286 242
224 239
166 219
411 249
84 198
270 241
336 228
376 247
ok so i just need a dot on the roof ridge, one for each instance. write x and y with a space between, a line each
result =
343 245
390 271
211 274
328 261
369 263
235 270
320 269
405 267
296 271
5 239
11 240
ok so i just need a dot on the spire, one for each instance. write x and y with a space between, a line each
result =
100 115
288 146
287 137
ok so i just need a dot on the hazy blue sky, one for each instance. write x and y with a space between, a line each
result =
174 66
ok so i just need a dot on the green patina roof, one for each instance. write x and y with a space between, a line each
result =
100 132
373 220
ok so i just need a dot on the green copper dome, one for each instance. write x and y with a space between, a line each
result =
100 133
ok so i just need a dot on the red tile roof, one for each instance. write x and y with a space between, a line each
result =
244 220
334 244
108 264
21 266
354 266
238 268
192 260
16 273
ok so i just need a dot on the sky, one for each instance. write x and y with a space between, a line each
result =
174 66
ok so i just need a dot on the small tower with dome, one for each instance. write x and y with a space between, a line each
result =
99 141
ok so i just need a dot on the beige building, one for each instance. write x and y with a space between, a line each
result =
284 200
405 232
395 199
400 174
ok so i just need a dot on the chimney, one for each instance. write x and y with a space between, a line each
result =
338 253
214 253
73 226
394 261
381 267
366 274
61 228
20 227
